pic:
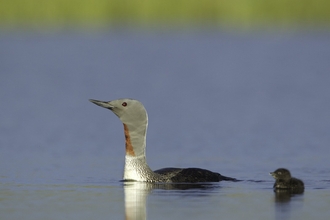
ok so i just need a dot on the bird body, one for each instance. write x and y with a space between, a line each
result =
283 180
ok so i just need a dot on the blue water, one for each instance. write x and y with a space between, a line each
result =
242 104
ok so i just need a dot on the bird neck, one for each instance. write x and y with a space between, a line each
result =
135 139
136 167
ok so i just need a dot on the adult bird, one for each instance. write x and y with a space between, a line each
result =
135 120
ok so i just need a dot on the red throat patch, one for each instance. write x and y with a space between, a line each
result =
128 144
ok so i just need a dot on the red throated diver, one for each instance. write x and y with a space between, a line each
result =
135 119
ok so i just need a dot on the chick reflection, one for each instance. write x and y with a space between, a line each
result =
283 196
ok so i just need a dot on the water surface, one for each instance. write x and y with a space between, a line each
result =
239 104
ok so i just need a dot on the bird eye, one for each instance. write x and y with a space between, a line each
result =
124 104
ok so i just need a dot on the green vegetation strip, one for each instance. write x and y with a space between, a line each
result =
172 12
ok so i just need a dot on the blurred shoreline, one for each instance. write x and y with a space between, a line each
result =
246 14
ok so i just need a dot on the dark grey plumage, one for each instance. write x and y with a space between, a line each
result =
192 175
284 181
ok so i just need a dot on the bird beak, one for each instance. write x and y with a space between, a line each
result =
272 174
102 104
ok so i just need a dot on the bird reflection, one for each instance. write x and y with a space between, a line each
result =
282 202
135 200
136 195
284 195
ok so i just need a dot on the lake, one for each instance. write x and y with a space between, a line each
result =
239 103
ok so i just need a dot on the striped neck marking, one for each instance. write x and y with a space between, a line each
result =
128 144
